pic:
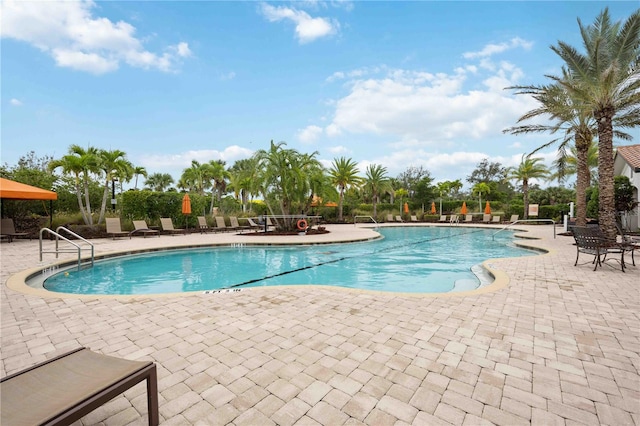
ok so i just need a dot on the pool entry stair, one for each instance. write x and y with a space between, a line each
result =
77 247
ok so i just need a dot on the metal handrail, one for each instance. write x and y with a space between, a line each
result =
526 220
58 250
355 219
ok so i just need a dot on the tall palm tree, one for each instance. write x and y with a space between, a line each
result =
344 174
605 81
139 171
377 182
242 176
111 163
529 168
566 164
216 172
159 182
81 163
197 178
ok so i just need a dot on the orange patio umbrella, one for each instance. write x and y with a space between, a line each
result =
433 208
406 208
186 204
463 210
487 209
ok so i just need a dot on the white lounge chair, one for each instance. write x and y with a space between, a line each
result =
468 218
486 218
496 219
454 219
443 218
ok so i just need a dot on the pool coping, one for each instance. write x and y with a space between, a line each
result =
18 281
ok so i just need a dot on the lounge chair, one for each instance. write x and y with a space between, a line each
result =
514 218
414 218
202 224
236 225
468 218
141 227
254 225
496 219
7 229
443 218
454 219
220 225
486 218
66 388
399 219
389 218
591 241
113 227
167 226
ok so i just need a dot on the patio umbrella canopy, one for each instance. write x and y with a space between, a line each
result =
406 208
487 209
186 204
463 210
433 207
19 191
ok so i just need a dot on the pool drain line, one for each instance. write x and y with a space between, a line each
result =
315 265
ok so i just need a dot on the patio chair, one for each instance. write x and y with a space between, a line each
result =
630 243
202 224
167 226
389 218
591 241
254 225
414 218
114 229
220 225
454 220
399 219
8 230
514 218
496 219
486 218
66 388
468 218
236 225
141 227
443 218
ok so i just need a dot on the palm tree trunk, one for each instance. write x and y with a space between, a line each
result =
79 195
606 211
103 207
584 179
87 200
525 197
340 204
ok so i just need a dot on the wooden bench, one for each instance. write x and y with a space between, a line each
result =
68 387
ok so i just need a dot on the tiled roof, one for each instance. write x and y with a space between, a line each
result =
631 154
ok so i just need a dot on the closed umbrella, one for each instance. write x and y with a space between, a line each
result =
463 210
406 208
487 209
433 208
186 208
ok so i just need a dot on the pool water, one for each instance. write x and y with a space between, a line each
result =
407 259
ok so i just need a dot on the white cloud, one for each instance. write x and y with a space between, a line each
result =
15 102
76 39
338 149
492 49
309 134
308 28
183 159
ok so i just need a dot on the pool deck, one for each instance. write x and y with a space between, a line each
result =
553 344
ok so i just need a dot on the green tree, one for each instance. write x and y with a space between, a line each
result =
376 182
344 174
139 171
242 176
80 163
605 81
529 168
159 182
481 188
113 163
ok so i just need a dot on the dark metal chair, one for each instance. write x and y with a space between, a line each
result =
591 241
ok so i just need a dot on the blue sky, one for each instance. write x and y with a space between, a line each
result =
393 83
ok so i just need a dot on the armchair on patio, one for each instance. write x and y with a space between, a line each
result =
592 241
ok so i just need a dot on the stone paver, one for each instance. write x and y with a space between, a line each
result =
555 344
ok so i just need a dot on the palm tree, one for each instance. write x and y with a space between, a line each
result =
344 174
242 176
81 163
529 168
605 81
567 164
139 171
481 188
111 163
197 178
159 182
216 172
377 182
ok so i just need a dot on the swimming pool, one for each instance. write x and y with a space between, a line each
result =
407 259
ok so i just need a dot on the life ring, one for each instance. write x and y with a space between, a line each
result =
302 225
